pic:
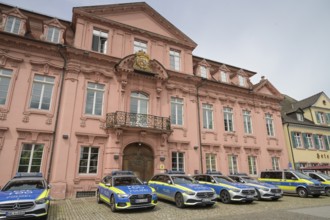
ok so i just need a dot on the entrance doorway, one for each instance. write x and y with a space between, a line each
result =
139 158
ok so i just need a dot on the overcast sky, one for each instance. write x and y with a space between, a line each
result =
287 41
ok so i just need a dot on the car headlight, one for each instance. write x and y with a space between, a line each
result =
191 193
264 189
123 195
235 190
42 201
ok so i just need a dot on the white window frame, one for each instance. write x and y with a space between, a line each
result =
95 89
89 160
31 157
228 116
102 41
252 161
247 122
211 162
297 137
309 138
175 59
300 117
208 120
177 103
5 75
270 125
321 142
242 80
233 164
179 166
140 45
320 115
224 76
275 163
16 22
53 32
203 71
47 80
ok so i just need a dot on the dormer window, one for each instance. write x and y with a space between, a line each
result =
53 35
203 71
224 76
12 24
300 117
241 80
53 31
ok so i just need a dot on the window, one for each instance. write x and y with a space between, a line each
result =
42 91
31 157
252 160
232 164
53 35
203 71
177 161
100 40
247 122
300 117
228 119
5 77
296 139
207 116
140 45
269 125
320 142
176 111
94 99
12 24
211 162
139 109
88 160
224 77
175 60
275 163
308 141
320 117
242 80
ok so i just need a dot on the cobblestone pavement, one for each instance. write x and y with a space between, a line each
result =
87 208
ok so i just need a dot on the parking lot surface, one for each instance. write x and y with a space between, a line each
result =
289 207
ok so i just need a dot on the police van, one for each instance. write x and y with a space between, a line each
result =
293 182
177 187
25 196
123 190
323 178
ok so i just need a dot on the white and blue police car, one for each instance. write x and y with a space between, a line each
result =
123 190
226 188
265 191
25 196
183 190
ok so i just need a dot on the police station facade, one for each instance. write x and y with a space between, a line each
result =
118 88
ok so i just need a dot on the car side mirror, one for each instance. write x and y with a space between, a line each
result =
49 186
212 181
108 184
293 178
169 181
145 183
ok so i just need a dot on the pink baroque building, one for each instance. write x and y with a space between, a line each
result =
118 88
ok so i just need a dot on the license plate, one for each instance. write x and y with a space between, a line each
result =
277 194
15 213
141 200
322 192
249 197
206 200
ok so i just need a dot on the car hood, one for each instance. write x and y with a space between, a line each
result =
20 195
316 182
196 187
135 189
238 185
260 185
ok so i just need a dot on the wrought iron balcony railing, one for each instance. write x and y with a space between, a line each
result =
127 119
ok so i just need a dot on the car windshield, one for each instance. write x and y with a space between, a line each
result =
126 181
223 179
301 175
324 176
182 180
250 180
24 185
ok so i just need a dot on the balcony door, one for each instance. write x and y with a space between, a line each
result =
139 109
139 158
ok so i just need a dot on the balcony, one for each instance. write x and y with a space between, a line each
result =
133 120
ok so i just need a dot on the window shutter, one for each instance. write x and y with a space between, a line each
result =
305 140
294 142
316 141
326 140
317 117
327 116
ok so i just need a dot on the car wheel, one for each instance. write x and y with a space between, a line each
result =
98 199
316 196
302 192
179 200
113 204
225 197
327 191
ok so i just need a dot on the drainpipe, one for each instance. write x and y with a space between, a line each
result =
59 47
199 125
290 141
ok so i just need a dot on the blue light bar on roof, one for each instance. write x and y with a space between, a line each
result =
175 172
122 172
21 175
213 172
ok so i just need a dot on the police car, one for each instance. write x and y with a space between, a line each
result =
25 196
183 190
264 190
323 178
293 182
226 188
123 190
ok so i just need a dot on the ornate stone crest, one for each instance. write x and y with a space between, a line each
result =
142 61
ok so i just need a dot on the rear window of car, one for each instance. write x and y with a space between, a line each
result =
24 185
271 175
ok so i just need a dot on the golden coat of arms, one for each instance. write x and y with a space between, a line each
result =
142 61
